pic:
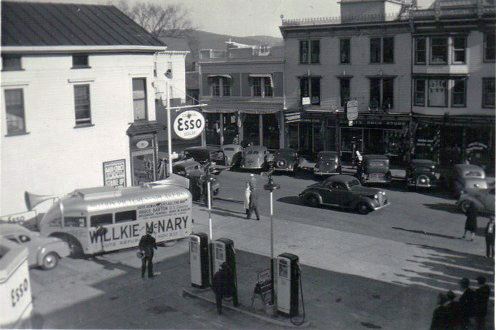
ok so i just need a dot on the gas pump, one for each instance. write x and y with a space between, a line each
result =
223 251
288 284
198 259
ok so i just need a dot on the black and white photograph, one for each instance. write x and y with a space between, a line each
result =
262 164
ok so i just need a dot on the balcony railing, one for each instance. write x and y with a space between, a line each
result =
365 18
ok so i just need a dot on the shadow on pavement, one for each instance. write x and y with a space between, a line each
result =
448 207
425 233
291 200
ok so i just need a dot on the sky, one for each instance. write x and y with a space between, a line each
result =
241 17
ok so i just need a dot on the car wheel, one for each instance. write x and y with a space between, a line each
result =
363 208
76 250
464 206
313 201
50 261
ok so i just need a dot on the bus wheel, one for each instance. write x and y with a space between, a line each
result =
74 246
50 261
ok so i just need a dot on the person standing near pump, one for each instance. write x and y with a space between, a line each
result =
247 197
146 245
471 222
489 233
223 285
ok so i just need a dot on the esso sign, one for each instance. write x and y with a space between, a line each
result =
189 124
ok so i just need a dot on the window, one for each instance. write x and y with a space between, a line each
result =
344 51
420 50
80 61
458 94
310 88
419 92
344 90
125 216
139 99
74 222
382 50
488 94
82 104
309 51
262 86
489 47
11 62
14 106
381 93
221 86
459 47
375 50
438 93
101 220
268 88
439 50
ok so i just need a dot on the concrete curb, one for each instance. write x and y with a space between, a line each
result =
258 316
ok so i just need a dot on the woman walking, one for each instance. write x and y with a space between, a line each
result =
471 222
247 197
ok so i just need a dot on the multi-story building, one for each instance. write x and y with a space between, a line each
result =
453 81
78 102
243 87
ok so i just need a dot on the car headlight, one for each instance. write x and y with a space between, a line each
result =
376 196
383 193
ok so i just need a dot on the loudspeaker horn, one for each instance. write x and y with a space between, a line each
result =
32 199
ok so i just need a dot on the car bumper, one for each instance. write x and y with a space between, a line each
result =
421 185
376 180
251 167
325 173
287 169
386 203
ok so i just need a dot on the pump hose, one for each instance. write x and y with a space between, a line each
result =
292 319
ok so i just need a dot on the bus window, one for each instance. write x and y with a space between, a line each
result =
101 220
74 222
125 216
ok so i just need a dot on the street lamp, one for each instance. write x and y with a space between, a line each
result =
271 186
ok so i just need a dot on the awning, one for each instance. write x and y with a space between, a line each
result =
144 127
253 111
228 76
263 75
218 110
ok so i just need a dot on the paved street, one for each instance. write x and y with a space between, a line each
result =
382 270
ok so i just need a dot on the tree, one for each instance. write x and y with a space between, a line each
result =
166 20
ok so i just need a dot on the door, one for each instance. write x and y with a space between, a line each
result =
143 166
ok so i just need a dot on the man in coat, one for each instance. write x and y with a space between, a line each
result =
222 284
482 295
467 302
489 233
440 317
146 245
253 203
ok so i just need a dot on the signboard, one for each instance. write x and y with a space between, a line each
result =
352 110
292 117
114 173
19 218
305 101
189 124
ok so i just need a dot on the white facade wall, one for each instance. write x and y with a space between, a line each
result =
55 157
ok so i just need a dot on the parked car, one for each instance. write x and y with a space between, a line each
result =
344 191
286 160
194 171
255 158
483 199
421 173
328 163
374 169
44 252
203 155
466 177
233 154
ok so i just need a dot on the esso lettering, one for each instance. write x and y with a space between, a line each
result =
18 292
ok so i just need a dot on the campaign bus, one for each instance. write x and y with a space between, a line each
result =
101 219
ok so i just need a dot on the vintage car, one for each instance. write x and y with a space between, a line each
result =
483 199
286 160
421 173
374 169
195 172
233 154
255 158
204 155
466 177
344 191
328 163
44 252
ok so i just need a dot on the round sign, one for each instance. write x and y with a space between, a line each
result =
189 124
142 144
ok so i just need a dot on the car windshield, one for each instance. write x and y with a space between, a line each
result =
228 149
472 174
252 152
353 183
327 156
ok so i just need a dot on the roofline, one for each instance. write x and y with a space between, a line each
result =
80 49
175 52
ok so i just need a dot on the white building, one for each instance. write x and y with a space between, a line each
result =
78 102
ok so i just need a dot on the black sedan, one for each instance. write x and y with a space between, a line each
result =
344 191
196 174
421 173
285 160
328 163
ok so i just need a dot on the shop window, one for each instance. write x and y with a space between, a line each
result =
381 93
309 51
139 99
345 51
344 90
101 220
419 92
11 62
125 216
221 86
74 222
382 50
489 47
82 104
212 128
375 50
488 92
439 50
459 49
420 50
458 94
14 107
80 61
270 131
438 93
310 88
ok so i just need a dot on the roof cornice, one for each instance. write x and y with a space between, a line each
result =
82 49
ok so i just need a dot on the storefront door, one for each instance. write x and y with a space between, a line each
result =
143 159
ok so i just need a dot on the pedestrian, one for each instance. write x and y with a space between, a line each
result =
490 237
222 284
454 311
440 316
247 197
467 302
146 245
482 295
253 181
471 222
253 203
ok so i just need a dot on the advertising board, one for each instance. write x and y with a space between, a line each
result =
114 173
189 124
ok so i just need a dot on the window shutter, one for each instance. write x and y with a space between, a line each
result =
235 84
205 85
245 84
278 84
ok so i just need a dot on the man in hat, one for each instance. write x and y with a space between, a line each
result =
146 245
489 232
467 301
440 315
223 285
482 295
